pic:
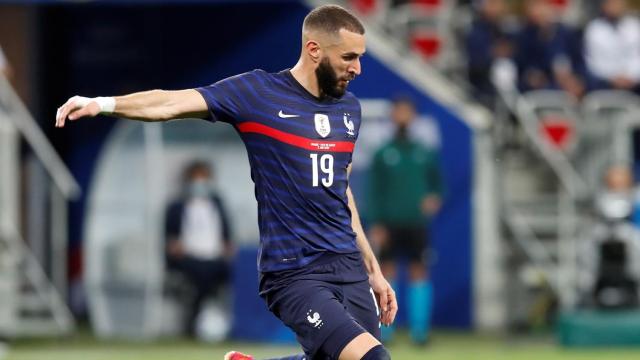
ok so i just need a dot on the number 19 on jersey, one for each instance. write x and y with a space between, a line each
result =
323 164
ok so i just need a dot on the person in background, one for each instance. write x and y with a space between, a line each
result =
546 55
614 203
405 191
610 255
198 239
612 48
489 47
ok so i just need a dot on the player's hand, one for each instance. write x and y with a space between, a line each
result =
430 205
75 108
386 297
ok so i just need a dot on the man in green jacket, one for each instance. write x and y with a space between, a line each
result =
405 192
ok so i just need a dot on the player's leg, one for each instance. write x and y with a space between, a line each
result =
365 347
420 292
196 273
360 302
317 313
352 342
334 321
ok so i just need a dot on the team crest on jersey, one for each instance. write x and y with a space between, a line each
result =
351 129
314 319
323 127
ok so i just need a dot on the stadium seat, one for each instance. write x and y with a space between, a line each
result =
364 7
558 131
428 44
430 6
602 103
426 27
569 11
374 10
551 116
560 4
607 115
415 10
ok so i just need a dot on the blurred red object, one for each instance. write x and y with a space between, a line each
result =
427 44
365 7
432 3
559 132
561 4
428 6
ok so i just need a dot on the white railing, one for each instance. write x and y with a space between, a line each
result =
44 271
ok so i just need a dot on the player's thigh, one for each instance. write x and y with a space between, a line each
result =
314 311
360 301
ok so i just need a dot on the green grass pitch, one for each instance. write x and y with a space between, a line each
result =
444 346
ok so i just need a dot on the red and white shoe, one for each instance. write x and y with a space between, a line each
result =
235 355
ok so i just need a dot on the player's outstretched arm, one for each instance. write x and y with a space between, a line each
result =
153 105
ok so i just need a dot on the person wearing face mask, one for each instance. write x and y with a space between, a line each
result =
405 192
198 238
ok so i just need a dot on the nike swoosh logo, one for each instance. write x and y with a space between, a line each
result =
284 116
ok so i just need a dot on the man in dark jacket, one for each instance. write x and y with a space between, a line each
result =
488 42
198 240
546 53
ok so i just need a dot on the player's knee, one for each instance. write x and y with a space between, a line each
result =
377 353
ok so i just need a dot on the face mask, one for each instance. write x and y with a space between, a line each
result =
199 188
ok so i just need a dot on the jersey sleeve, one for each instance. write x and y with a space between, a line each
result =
227 99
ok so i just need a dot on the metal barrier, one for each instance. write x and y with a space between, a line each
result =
36 278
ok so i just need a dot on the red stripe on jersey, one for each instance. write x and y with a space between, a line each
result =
295 140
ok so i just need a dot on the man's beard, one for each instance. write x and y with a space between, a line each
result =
328 81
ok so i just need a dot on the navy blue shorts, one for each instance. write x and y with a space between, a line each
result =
406 242
327 304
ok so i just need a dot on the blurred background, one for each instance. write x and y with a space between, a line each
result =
121 239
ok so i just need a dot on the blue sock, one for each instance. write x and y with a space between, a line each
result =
387 332
420 296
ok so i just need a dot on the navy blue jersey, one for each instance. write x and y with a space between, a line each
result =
299 148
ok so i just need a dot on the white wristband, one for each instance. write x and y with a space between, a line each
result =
107 104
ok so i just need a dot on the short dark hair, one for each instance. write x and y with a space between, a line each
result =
195 167
331 18
403 98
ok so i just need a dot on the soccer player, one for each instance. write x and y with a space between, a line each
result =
318 273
